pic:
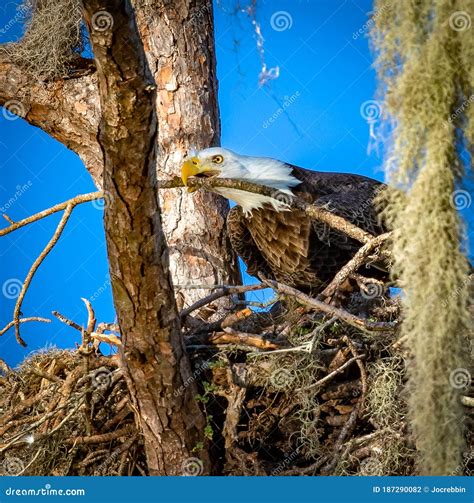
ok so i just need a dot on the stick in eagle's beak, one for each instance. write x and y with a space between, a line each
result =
193 167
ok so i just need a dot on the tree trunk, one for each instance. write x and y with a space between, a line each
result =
154 354
178 38
152 98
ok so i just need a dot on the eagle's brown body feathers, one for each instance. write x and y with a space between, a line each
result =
292 248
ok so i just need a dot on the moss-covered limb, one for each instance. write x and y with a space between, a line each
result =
425 61
316 212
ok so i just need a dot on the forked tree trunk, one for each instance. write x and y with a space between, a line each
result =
153 97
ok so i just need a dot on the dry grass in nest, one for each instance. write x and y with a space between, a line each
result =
62 413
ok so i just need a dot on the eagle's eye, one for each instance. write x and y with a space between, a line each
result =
218 159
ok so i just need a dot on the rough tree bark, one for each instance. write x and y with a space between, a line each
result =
177 38
154 353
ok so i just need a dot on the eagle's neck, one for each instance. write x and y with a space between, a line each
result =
267 172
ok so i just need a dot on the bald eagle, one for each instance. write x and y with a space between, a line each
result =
282 243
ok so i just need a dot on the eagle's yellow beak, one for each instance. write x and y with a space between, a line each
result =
193 167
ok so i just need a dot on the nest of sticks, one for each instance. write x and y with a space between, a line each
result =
286 391
64 414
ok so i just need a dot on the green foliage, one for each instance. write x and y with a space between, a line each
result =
425 62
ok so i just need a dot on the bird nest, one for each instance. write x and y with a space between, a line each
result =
62 413
285 391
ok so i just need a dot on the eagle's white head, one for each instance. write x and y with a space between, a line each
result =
223 163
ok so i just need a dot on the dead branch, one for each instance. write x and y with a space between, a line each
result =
68 207
99 439
350 423
23 320
67 321
334 373
313 211
350 319
221 292
230 336
357 261
83 198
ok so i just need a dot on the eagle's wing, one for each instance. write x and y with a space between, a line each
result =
346 195
244 245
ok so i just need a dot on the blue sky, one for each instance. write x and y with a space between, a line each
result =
314 115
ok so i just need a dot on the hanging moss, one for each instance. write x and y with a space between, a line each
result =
53 38
425 63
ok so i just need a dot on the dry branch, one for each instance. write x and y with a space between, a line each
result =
316 212
368 326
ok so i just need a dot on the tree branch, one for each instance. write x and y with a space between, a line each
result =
350 319
313 211
67 109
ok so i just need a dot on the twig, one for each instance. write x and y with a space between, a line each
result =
23 320
82 198
34 268
45 375
68 207
313 211
98 439
467 401
350 423
355 263
350 319
222 292
67 321
333 374
230 336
